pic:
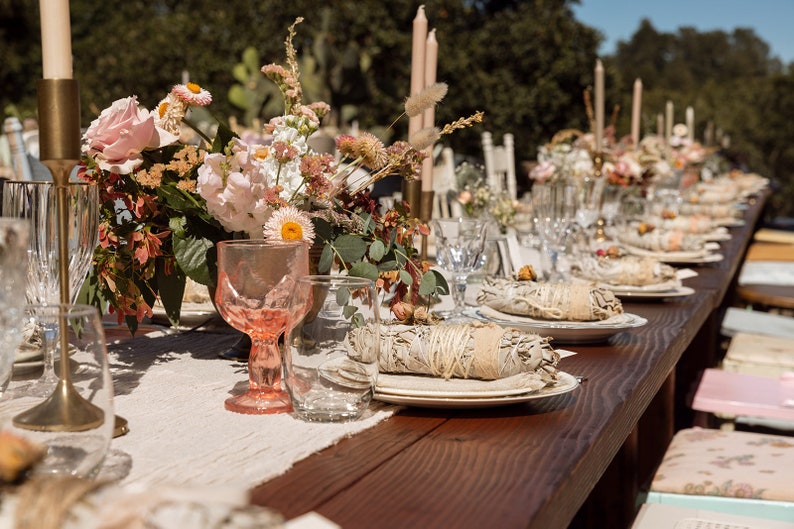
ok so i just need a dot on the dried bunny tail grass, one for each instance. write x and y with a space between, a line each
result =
371 149
462 123
425 138
430 96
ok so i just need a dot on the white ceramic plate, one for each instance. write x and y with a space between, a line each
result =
706 259
664 256
645 295
565 384
427 386
569 332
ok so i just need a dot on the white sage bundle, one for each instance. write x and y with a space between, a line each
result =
662 240
549 301
477 350
685 223
628 270
715 211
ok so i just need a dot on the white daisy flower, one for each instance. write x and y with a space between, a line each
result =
192 94
289 224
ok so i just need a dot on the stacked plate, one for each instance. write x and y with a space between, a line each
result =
431 392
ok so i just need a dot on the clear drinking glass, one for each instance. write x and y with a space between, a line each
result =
555 207
328 379
36 201
459 246
588 201
13 270
72 448
256 295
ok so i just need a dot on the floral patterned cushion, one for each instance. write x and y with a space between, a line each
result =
728 463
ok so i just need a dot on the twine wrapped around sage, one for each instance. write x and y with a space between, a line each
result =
549 301
628 270
477 350
659 240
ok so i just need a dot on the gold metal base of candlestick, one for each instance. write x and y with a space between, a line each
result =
63 411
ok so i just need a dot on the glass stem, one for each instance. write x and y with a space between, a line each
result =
264 364
49 376
459 292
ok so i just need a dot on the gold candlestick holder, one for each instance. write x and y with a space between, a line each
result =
426 214
65 410
598 166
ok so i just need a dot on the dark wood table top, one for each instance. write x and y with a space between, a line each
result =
526 465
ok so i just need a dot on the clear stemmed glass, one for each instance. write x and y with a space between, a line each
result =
459 246
588 201
13 269
37 201
73 449
555 207
256 295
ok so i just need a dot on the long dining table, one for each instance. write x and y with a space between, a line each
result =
573 460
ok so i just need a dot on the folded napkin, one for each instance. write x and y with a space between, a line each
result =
549 301
477 350
627 270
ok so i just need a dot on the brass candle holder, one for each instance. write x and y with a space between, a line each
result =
426 214
598 166
59 144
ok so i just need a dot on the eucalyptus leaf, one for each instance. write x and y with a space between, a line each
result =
348 311
326 260
377 250
364 269
350 247
342 296
406 278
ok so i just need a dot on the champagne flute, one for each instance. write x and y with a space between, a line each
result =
37 201
256 295
459 246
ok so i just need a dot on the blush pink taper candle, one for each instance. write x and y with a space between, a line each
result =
431 63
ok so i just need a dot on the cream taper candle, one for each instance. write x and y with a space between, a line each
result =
431 64
668 121
636 110
56 39
690 123
599 106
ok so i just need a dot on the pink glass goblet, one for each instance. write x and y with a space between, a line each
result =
256 295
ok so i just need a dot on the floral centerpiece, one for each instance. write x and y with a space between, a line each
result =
166 202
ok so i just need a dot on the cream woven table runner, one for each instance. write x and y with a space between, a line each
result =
171 390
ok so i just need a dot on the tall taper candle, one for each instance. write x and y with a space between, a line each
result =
56 39
599 106
636 110
418 64
690 123
668 121
659 124
431 63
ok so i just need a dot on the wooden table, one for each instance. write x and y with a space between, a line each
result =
527 465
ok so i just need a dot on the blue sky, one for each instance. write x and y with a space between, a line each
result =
772 20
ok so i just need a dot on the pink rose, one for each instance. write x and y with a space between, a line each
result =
121 132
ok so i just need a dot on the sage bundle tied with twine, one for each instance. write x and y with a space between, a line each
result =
549 301
628 270
476 350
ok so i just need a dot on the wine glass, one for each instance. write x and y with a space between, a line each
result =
459 246
76 425
588 201
555 206
256 295
13 269
37 201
